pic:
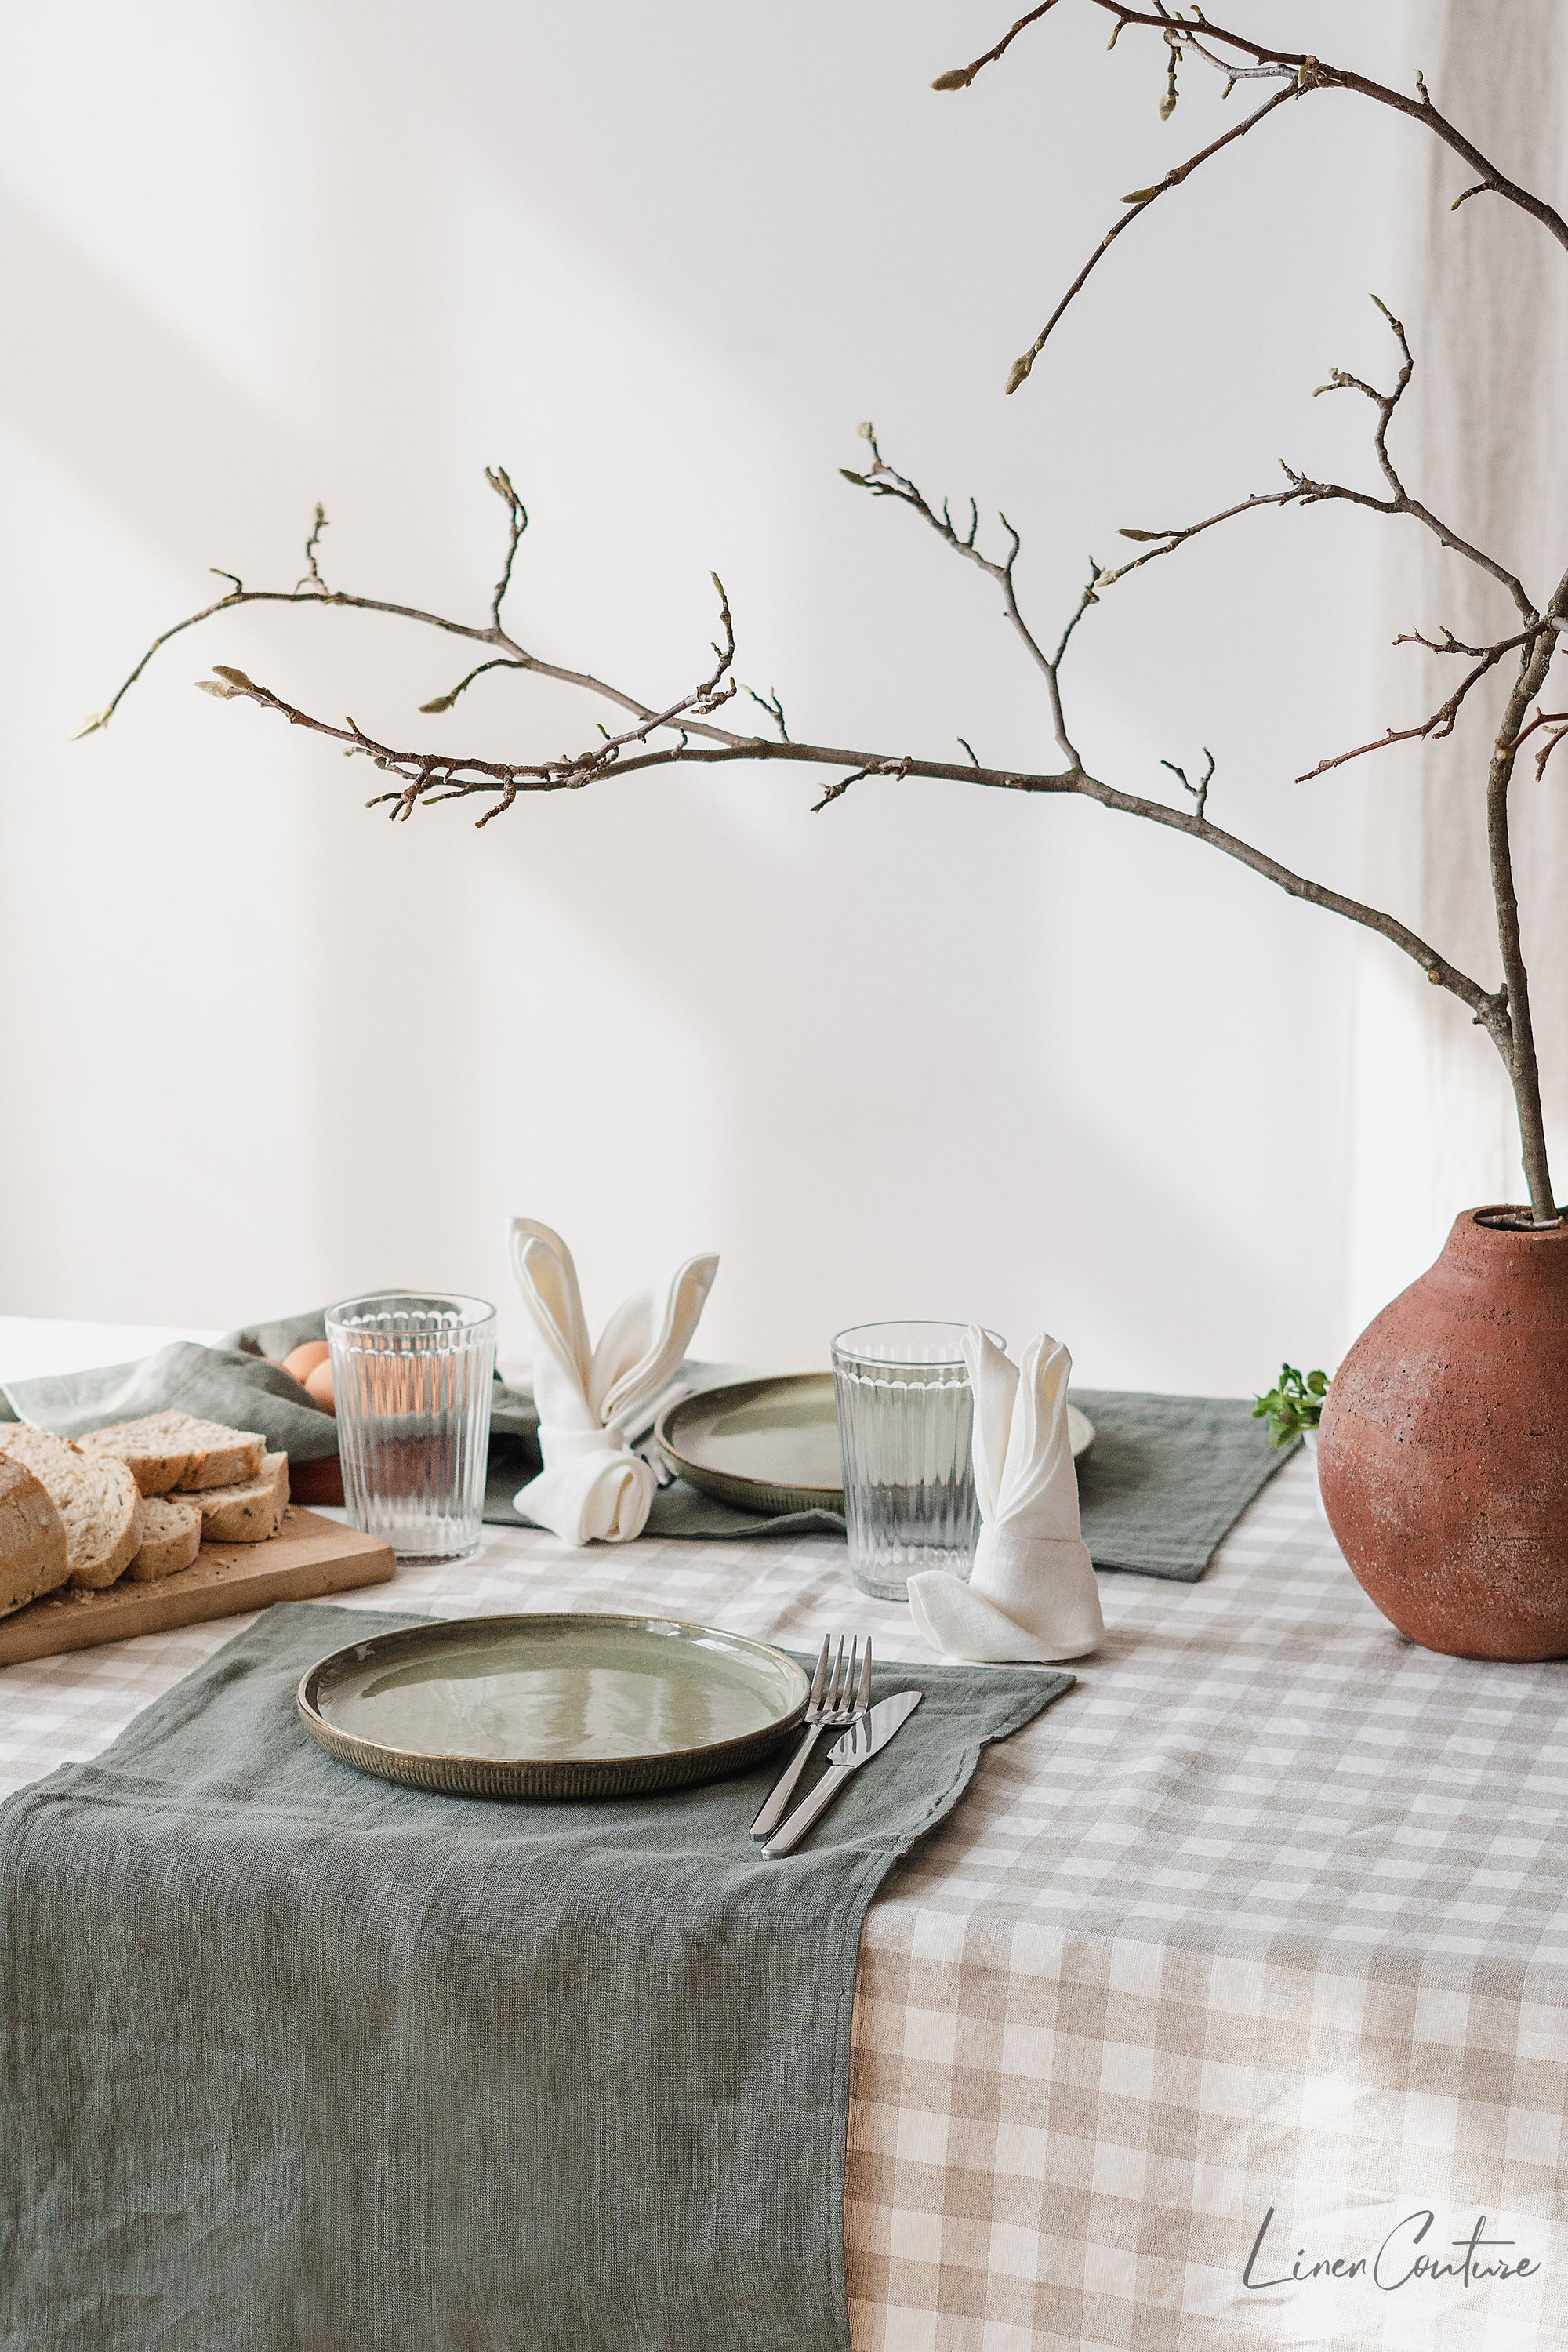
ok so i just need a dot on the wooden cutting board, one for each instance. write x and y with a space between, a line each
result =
307 1557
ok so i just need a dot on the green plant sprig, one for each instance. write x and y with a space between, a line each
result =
1294 1405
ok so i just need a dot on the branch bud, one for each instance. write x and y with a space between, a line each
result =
90 726
442 702
1019 371
959 79
1140 195
235 677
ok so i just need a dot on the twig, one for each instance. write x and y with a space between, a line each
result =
1299 73
1140 200
1555 720
312 572
1400 502
1200 791
453 776
1441 722
961 76
491 633
517 521
445 702
773 706
900 768
884 481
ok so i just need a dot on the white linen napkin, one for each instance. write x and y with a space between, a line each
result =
1032 1594
592 1488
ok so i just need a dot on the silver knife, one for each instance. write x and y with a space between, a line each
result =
846 1756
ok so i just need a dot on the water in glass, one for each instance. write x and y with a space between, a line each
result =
905 1421
411 1378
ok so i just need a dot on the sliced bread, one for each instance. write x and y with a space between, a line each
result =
171 1539
34 1557
94 1495
168 1450
250 1512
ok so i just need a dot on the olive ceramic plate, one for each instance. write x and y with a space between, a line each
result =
772 1444
575 1705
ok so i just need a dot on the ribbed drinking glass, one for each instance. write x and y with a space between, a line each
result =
905 1420
411 1380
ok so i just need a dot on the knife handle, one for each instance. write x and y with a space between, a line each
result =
784 1841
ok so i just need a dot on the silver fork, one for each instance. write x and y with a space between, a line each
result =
840 1694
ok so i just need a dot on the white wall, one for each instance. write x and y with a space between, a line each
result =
934 1051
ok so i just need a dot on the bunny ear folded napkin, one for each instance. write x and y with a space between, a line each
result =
1032 1594
592 1488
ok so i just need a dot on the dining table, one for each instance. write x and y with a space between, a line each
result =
1228 2010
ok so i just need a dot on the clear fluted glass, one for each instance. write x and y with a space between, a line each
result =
411 1381
906 1418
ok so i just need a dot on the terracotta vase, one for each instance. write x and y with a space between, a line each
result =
1442 1455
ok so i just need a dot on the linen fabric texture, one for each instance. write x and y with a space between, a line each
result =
292 2057
1165 1481
1031 1593
1269 1912
592 1488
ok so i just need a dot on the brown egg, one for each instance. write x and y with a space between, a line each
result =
319 1383
301 1362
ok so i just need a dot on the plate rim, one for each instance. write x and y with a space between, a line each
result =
828 1498
378 1757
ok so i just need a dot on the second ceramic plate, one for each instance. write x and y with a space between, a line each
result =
772 1444
530 1705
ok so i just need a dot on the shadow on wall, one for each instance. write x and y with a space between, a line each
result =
867 1003
104 387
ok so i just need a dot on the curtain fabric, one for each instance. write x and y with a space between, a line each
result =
1484 294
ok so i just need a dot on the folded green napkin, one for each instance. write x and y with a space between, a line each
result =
212 1383
233 1383
291 2058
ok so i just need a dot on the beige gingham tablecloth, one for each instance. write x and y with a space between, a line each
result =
1267 1919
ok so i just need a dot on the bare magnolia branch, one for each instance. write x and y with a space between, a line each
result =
491 633
436 777
1299 74
961 76
1140 200
440 775
1441 722
662 735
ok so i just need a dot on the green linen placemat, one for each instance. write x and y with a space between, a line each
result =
1168 1477
294 2058
1166 1480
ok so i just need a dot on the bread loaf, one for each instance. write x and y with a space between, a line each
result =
34 1556
250 1512
165 1451
94 1495
171 1539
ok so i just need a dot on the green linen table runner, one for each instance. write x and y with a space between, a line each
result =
1166 1478
293 2060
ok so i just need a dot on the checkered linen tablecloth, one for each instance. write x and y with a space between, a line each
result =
1271 1912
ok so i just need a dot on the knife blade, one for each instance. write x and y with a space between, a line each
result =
865 1739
